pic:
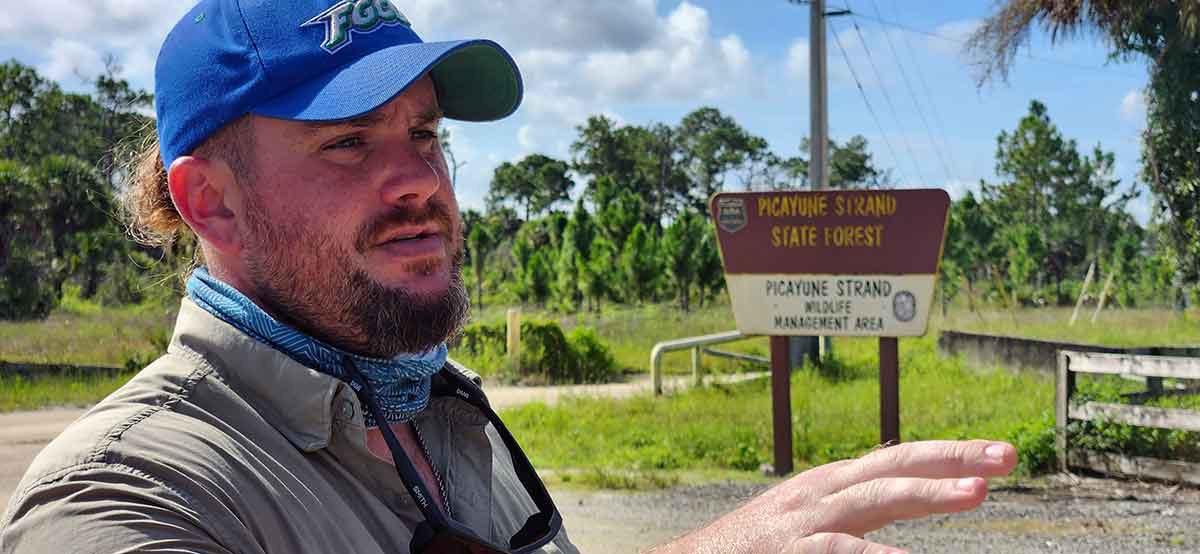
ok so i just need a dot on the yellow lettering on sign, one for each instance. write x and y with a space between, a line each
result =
793 236
878 204
793 205
854 236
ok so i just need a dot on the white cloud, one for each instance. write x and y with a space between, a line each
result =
734 52
460 143
70 60
684 61
798 59
957 32
1133 106
573 26
130 30
525 138
957 188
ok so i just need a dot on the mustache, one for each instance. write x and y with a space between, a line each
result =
434 211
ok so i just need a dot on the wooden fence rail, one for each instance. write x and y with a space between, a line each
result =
1153 369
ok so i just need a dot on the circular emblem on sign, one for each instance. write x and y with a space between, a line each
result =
904 305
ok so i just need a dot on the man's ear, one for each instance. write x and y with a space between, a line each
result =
206 196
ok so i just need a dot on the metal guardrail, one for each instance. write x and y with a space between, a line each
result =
695 344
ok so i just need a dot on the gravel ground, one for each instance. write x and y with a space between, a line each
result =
1064 514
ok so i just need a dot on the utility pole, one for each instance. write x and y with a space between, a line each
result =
818 87
815 348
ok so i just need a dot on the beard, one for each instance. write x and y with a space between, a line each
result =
306 280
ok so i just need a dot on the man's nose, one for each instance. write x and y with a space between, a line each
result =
412 177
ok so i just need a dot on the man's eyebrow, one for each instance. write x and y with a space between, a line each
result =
363 121
424 117
428 115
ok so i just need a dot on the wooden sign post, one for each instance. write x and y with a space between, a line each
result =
831 263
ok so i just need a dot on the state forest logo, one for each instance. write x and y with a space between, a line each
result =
348 17
731 214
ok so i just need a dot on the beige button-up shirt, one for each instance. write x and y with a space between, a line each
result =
226 445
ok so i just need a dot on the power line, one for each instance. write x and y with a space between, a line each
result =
903 27
937 148
891 106
866 100
960 42
933 106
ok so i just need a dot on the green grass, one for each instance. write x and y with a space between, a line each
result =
86 334
631 332
729 427
1138 327
646 442
20 393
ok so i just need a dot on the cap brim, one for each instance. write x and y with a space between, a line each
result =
476 80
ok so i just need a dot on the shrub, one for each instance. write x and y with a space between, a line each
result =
594 363
547 354
1034 441
26 291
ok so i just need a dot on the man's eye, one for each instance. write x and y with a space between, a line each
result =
424 134
348 142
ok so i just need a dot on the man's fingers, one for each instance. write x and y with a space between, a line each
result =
868 506
836 543
927 460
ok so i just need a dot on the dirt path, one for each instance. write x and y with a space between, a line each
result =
23 434
1091 515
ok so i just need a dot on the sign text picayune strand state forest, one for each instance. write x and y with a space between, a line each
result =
831 262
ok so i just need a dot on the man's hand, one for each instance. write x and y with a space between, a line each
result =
827 510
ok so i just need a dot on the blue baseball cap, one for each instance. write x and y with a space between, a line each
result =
313 60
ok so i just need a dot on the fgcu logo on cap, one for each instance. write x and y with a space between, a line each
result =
355 16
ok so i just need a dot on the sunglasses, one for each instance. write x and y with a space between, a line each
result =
439 534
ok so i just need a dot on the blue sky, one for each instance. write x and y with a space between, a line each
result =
644 61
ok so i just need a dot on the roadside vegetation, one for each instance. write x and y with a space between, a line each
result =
835 415
714 432
72 389
1113 327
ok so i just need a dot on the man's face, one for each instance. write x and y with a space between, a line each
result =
351 231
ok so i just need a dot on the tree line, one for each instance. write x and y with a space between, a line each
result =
58 183
639 230
622 221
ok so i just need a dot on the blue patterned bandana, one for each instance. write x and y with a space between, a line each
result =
401 384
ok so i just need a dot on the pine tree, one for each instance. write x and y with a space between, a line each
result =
576 243
537 277
599 277
710 273
680 249
479 243
639 261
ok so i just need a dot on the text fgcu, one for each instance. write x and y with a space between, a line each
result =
345 18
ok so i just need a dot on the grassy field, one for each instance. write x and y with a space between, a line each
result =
20 393
1139 327
713 432
86 334
835 415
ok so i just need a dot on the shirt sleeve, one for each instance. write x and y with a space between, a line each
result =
105 510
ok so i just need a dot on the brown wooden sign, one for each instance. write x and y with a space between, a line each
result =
831 262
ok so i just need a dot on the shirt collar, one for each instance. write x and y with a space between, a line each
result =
296 400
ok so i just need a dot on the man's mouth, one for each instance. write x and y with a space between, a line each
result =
411 237
414 242
410 234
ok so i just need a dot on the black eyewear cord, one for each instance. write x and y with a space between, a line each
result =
439 534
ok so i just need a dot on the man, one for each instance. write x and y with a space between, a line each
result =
305 403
